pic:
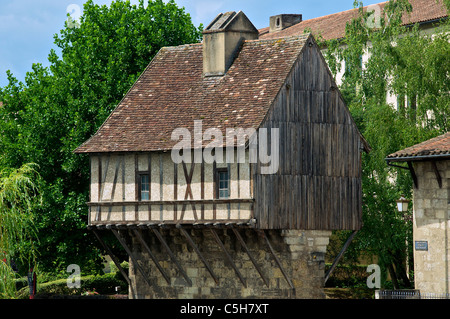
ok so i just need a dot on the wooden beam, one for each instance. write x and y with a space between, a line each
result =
172 256
339 256
188 194
134 260
99 199
436 172
238 236
174 202
263 235
413 174
113 257
227 255
188 177
194 246
152 256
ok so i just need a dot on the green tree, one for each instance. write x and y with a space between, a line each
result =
19 195
57 108
413 65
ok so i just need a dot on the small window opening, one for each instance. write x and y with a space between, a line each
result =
144 187
223 181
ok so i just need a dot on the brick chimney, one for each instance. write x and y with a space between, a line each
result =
222 39
283 21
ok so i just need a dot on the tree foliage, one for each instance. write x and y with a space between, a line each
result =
413 65
57 108
19 196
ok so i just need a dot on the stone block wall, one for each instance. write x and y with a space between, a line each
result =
301 253
432 224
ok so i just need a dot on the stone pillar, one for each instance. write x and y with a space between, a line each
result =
307 252
301 254
432 225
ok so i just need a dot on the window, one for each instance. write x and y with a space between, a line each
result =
144 187
223 183
353 64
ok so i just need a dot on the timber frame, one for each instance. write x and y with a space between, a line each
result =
123 172
309 185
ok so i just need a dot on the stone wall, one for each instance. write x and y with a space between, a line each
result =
431 225
301 253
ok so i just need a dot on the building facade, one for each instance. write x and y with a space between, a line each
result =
427 14
225 168
429 164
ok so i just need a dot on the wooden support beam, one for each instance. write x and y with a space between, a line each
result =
227 255
411 170
152 256
238 236
436 172
113 257
175 202
194 246
172 256
263 235
339 256
134 260
413 174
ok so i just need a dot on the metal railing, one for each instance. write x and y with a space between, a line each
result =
409 294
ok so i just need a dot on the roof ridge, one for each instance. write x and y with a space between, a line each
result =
290 38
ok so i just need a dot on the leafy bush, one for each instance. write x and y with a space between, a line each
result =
345 276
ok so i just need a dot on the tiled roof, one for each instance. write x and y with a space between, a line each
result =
172 93
438 146
333 26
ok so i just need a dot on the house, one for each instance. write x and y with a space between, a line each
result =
226 166
429 164
427 13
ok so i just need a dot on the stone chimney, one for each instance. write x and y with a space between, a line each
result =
222 40
283 21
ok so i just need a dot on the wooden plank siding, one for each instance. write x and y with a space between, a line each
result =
318 183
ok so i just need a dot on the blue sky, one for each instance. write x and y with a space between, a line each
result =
27 26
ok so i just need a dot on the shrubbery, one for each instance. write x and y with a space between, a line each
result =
90 285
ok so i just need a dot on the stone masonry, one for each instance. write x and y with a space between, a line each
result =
432 224
301 253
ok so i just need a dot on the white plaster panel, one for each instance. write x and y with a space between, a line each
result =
130 178
155 177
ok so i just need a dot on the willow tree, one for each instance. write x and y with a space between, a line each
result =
414 66
19 195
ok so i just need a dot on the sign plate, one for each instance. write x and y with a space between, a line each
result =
421 245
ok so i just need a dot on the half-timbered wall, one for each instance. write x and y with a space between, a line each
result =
318 183
177 193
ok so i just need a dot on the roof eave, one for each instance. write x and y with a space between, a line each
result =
418 158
